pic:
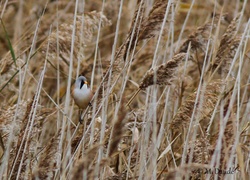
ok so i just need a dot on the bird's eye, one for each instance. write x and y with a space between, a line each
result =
81 84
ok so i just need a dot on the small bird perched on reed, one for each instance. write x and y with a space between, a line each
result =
82 94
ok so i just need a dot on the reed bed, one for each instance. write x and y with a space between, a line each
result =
170 81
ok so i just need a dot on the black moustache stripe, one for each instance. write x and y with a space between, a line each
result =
81 85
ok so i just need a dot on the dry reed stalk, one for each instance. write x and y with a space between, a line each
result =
228 47
129 44
2 148
143 28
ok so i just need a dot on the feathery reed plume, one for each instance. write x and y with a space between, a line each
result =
91 23
19 135
117 129
198 39
228 47
224 59
163 73
47 159
201 154
19 149
22 115
182 171
210 95
230 33
134 30
228 137
201 150
82 38
85 28
130 42
83 165
153 23
228 141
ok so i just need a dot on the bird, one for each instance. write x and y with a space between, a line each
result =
82 94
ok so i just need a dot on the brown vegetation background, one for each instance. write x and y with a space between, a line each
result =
171 83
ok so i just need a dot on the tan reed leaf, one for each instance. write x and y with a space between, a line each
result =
153 23
163 73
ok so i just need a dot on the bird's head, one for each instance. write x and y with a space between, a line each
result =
81 81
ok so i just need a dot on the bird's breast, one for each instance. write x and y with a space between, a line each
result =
82 97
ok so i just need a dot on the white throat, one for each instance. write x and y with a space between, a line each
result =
84 87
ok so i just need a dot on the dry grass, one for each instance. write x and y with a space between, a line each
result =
171 82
